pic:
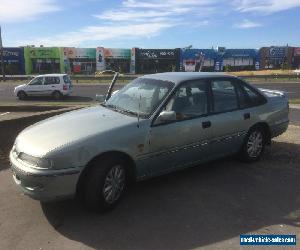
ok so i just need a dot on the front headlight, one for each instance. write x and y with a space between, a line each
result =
35 162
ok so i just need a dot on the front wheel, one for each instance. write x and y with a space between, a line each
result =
105 184
21 95
254 145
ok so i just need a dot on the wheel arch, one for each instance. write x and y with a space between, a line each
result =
266 128
130 166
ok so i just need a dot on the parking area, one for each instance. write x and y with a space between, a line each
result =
204 207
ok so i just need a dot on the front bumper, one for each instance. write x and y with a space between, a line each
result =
45 185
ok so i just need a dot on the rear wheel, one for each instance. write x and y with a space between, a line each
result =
254 145
21 95
105 184
56 95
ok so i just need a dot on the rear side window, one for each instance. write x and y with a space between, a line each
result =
248 97
224 96
50 80
67 79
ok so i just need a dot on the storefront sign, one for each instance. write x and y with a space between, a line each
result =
69 53
156 53
85 53
277 52
296 51
132 61
43 52
117 53
100 62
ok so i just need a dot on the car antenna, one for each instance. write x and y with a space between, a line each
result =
138 115
111 86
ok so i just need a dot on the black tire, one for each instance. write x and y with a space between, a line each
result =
56 95
251 155
95 183
21 95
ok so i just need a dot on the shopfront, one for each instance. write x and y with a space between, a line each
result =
13 61
240 59
113 59
296 58
148 61
194 60
80 60
43 60
276 57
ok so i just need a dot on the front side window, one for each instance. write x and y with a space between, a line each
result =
36 81
67 79
141 96
189 101
224 96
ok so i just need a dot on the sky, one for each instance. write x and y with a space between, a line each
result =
150 24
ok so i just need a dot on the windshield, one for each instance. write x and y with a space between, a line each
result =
143 96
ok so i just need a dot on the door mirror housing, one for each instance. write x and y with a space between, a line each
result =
166 116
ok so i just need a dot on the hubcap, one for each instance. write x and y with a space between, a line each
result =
114 184
255 144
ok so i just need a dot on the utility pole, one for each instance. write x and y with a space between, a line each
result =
2 57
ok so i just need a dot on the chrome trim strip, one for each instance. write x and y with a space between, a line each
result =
189 146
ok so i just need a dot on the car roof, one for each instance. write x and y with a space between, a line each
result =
51 75
178 77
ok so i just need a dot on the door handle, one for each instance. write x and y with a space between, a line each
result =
53 86
246 116
206 124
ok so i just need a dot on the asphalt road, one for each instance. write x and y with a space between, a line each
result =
87 92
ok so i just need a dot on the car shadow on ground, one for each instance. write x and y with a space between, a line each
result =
192 208
72 98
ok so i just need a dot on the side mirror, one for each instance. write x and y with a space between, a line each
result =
100 98
166 116
115 92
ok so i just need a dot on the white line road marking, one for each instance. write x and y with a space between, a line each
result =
294 106
5 113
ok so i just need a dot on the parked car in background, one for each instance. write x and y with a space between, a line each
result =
154 125
54 85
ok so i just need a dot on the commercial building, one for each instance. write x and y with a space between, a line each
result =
276 57
113 59
144 61
296 58
191 60
43 60
13 61
80 60
239 59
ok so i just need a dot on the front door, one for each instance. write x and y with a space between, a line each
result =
35 87
184 141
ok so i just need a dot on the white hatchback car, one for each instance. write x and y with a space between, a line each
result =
55 85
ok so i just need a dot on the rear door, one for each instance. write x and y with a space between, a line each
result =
51 83
229 124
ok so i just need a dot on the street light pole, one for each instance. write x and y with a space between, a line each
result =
2 57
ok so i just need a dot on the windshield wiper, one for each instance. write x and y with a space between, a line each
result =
120 110
128 111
